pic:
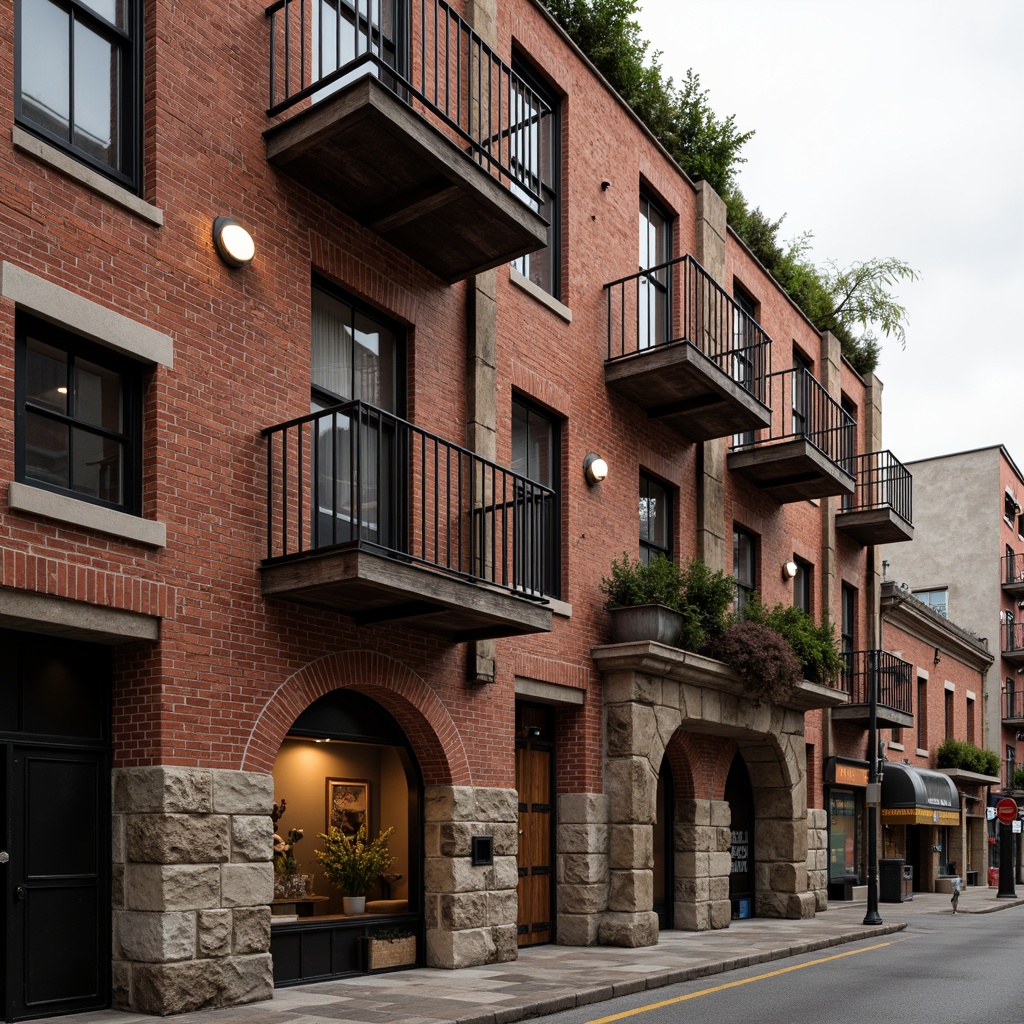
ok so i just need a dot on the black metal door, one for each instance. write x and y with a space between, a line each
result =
56 881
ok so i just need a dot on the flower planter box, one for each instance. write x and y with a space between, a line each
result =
388 954
646 622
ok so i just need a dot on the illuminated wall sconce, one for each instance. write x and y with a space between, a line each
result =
595 469
789 570
233 242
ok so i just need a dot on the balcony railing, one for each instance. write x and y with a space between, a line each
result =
1013 704
895 679
882 481
678 303
1013 641
1012 572
802 408
355 476
425 52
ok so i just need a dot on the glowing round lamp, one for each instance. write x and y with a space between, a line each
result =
233 243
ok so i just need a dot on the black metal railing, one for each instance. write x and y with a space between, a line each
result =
356 476
1012 568
1013 638
678 303
1013 703
424 51
881 481
802 408
895 679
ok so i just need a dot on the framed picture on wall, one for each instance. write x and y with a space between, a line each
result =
348 802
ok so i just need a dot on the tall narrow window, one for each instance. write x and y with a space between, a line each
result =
802 585
77 80
847 449
849 624
744 316
744 566
535 154
654 288
79 418
535 455
922 713
971 738
948 713
655 519
1012 708
801 376
356 355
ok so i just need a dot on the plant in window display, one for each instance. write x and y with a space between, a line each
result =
352 862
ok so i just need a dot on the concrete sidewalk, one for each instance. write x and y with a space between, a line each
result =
546 979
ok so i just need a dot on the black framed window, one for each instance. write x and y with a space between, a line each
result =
536 152
535 455
801 398
78 417
802 585
78 80
744 313
655 519
744 566
848 639
655 315
922 713
948 713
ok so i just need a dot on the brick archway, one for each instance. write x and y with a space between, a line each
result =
432 734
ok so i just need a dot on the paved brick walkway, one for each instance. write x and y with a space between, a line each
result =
546 979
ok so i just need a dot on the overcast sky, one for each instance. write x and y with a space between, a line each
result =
889 128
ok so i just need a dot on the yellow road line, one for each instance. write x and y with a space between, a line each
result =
736 984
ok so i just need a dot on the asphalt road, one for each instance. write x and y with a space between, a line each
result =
942 970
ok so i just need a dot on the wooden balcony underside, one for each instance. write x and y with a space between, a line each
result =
792 470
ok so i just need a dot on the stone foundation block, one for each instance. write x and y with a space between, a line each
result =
694 865
164 989
506 873
469 948
788 877
242 792
496 805
632 785
214 933
820 900
582 899
800 905
629 930
246 885
163 790
251 837
721 813
246 979
696 839
693 812
582 838
721 914
502 908
693 917
161 887
582 868
154 938
177 838
628 730
454 838
631 890
582 808
506 943
457 874
449 803
631 846
250 930
463 910
578 929
121 985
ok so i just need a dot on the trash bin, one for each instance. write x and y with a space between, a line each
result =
890 880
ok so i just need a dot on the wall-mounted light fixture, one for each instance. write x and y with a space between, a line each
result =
938 657
789 570
595 469
233 242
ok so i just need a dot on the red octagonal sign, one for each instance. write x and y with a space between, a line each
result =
1006 810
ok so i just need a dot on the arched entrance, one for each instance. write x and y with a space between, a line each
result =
345 762
739 795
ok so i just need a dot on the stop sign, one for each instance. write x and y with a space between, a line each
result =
1006 810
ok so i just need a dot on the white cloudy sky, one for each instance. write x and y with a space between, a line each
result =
889 128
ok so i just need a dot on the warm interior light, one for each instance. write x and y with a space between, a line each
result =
595 469
233 242
62 391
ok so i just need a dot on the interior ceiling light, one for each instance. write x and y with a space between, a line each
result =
233 242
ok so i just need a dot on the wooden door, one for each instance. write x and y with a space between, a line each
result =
534 766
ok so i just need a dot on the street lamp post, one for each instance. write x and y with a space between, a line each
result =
872 916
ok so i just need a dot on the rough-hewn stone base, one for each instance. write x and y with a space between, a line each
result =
817 856
470 909
194 880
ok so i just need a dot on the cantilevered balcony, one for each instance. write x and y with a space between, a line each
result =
405 119
1013 706
894 679
374 518
680 348
1012 642
880 509
807 449
1012 574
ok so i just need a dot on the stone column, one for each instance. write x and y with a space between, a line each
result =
193 881
817 856
470 909
582 867
711 528
703 863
